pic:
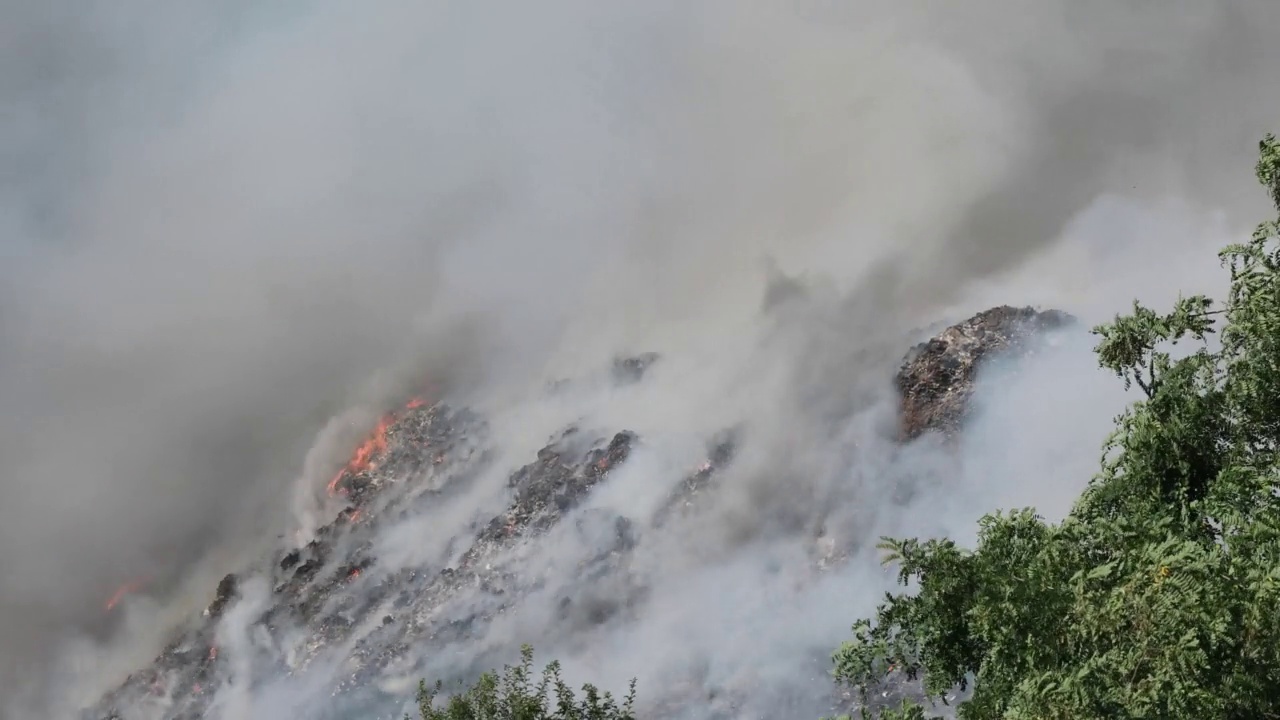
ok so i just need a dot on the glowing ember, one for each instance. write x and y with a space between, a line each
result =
415 403
355 573
362 460
128 588
355 517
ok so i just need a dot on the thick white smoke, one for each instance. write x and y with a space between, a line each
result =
224 228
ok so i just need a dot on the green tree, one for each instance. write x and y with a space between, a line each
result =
1159 594
514 696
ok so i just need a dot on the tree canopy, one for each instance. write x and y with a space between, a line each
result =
1158 596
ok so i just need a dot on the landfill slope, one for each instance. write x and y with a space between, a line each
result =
329 598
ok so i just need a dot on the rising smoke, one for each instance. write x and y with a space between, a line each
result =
231 230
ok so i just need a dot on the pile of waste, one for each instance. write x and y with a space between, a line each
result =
937 377
330 597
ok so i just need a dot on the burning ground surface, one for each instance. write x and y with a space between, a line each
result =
331 612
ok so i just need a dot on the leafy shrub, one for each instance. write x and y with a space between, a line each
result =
514 696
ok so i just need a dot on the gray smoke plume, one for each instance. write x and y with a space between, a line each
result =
230 229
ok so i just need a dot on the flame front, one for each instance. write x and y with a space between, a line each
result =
375 445
362 460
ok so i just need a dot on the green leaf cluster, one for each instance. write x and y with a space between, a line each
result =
515 696
1158 596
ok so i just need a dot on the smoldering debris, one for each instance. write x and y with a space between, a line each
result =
937 377
228 219
720 454
333 605
627 370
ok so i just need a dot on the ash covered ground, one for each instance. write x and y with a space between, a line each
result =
332 613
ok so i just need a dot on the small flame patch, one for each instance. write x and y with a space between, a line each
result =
123 591
362 459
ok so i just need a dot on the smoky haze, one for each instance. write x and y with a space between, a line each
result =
229 230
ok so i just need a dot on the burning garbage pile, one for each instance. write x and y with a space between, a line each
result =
414 457
407 449
332 598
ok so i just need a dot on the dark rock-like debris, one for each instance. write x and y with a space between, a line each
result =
937 377
332 589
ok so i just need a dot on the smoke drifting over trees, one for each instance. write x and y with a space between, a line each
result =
233 235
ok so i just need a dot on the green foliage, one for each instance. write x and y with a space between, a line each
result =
904 711
514 696
1159 595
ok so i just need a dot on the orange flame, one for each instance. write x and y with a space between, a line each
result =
363 458
355 573
332 488
128 588
374 445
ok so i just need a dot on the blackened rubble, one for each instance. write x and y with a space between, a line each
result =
430 451
720 452
937 377
456 604
332 590
408 434
226 592
936 380
555 483
627 370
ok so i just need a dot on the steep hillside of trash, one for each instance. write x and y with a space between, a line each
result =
327 602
